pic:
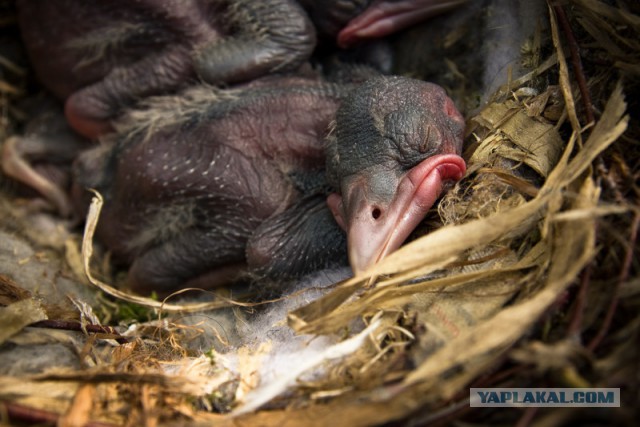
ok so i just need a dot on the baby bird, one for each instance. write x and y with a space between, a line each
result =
211 183
100 56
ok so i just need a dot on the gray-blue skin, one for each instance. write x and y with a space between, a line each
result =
101 55
201 187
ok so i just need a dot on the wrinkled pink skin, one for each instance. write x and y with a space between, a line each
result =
186 206
102 55
373 229
384 17
182 207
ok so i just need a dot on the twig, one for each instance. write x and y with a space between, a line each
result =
76 326
576 61
624 275
500 375
581 302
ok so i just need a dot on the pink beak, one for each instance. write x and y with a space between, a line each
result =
376 227
385 17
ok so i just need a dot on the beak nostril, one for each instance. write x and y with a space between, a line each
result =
375 213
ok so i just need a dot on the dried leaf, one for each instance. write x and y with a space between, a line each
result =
540 144
18 315
565 84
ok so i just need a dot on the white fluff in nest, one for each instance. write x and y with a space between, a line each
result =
264 353
274 355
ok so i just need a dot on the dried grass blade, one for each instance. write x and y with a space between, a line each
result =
87 251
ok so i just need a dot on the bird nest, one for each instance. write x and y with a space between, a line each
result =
532 281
